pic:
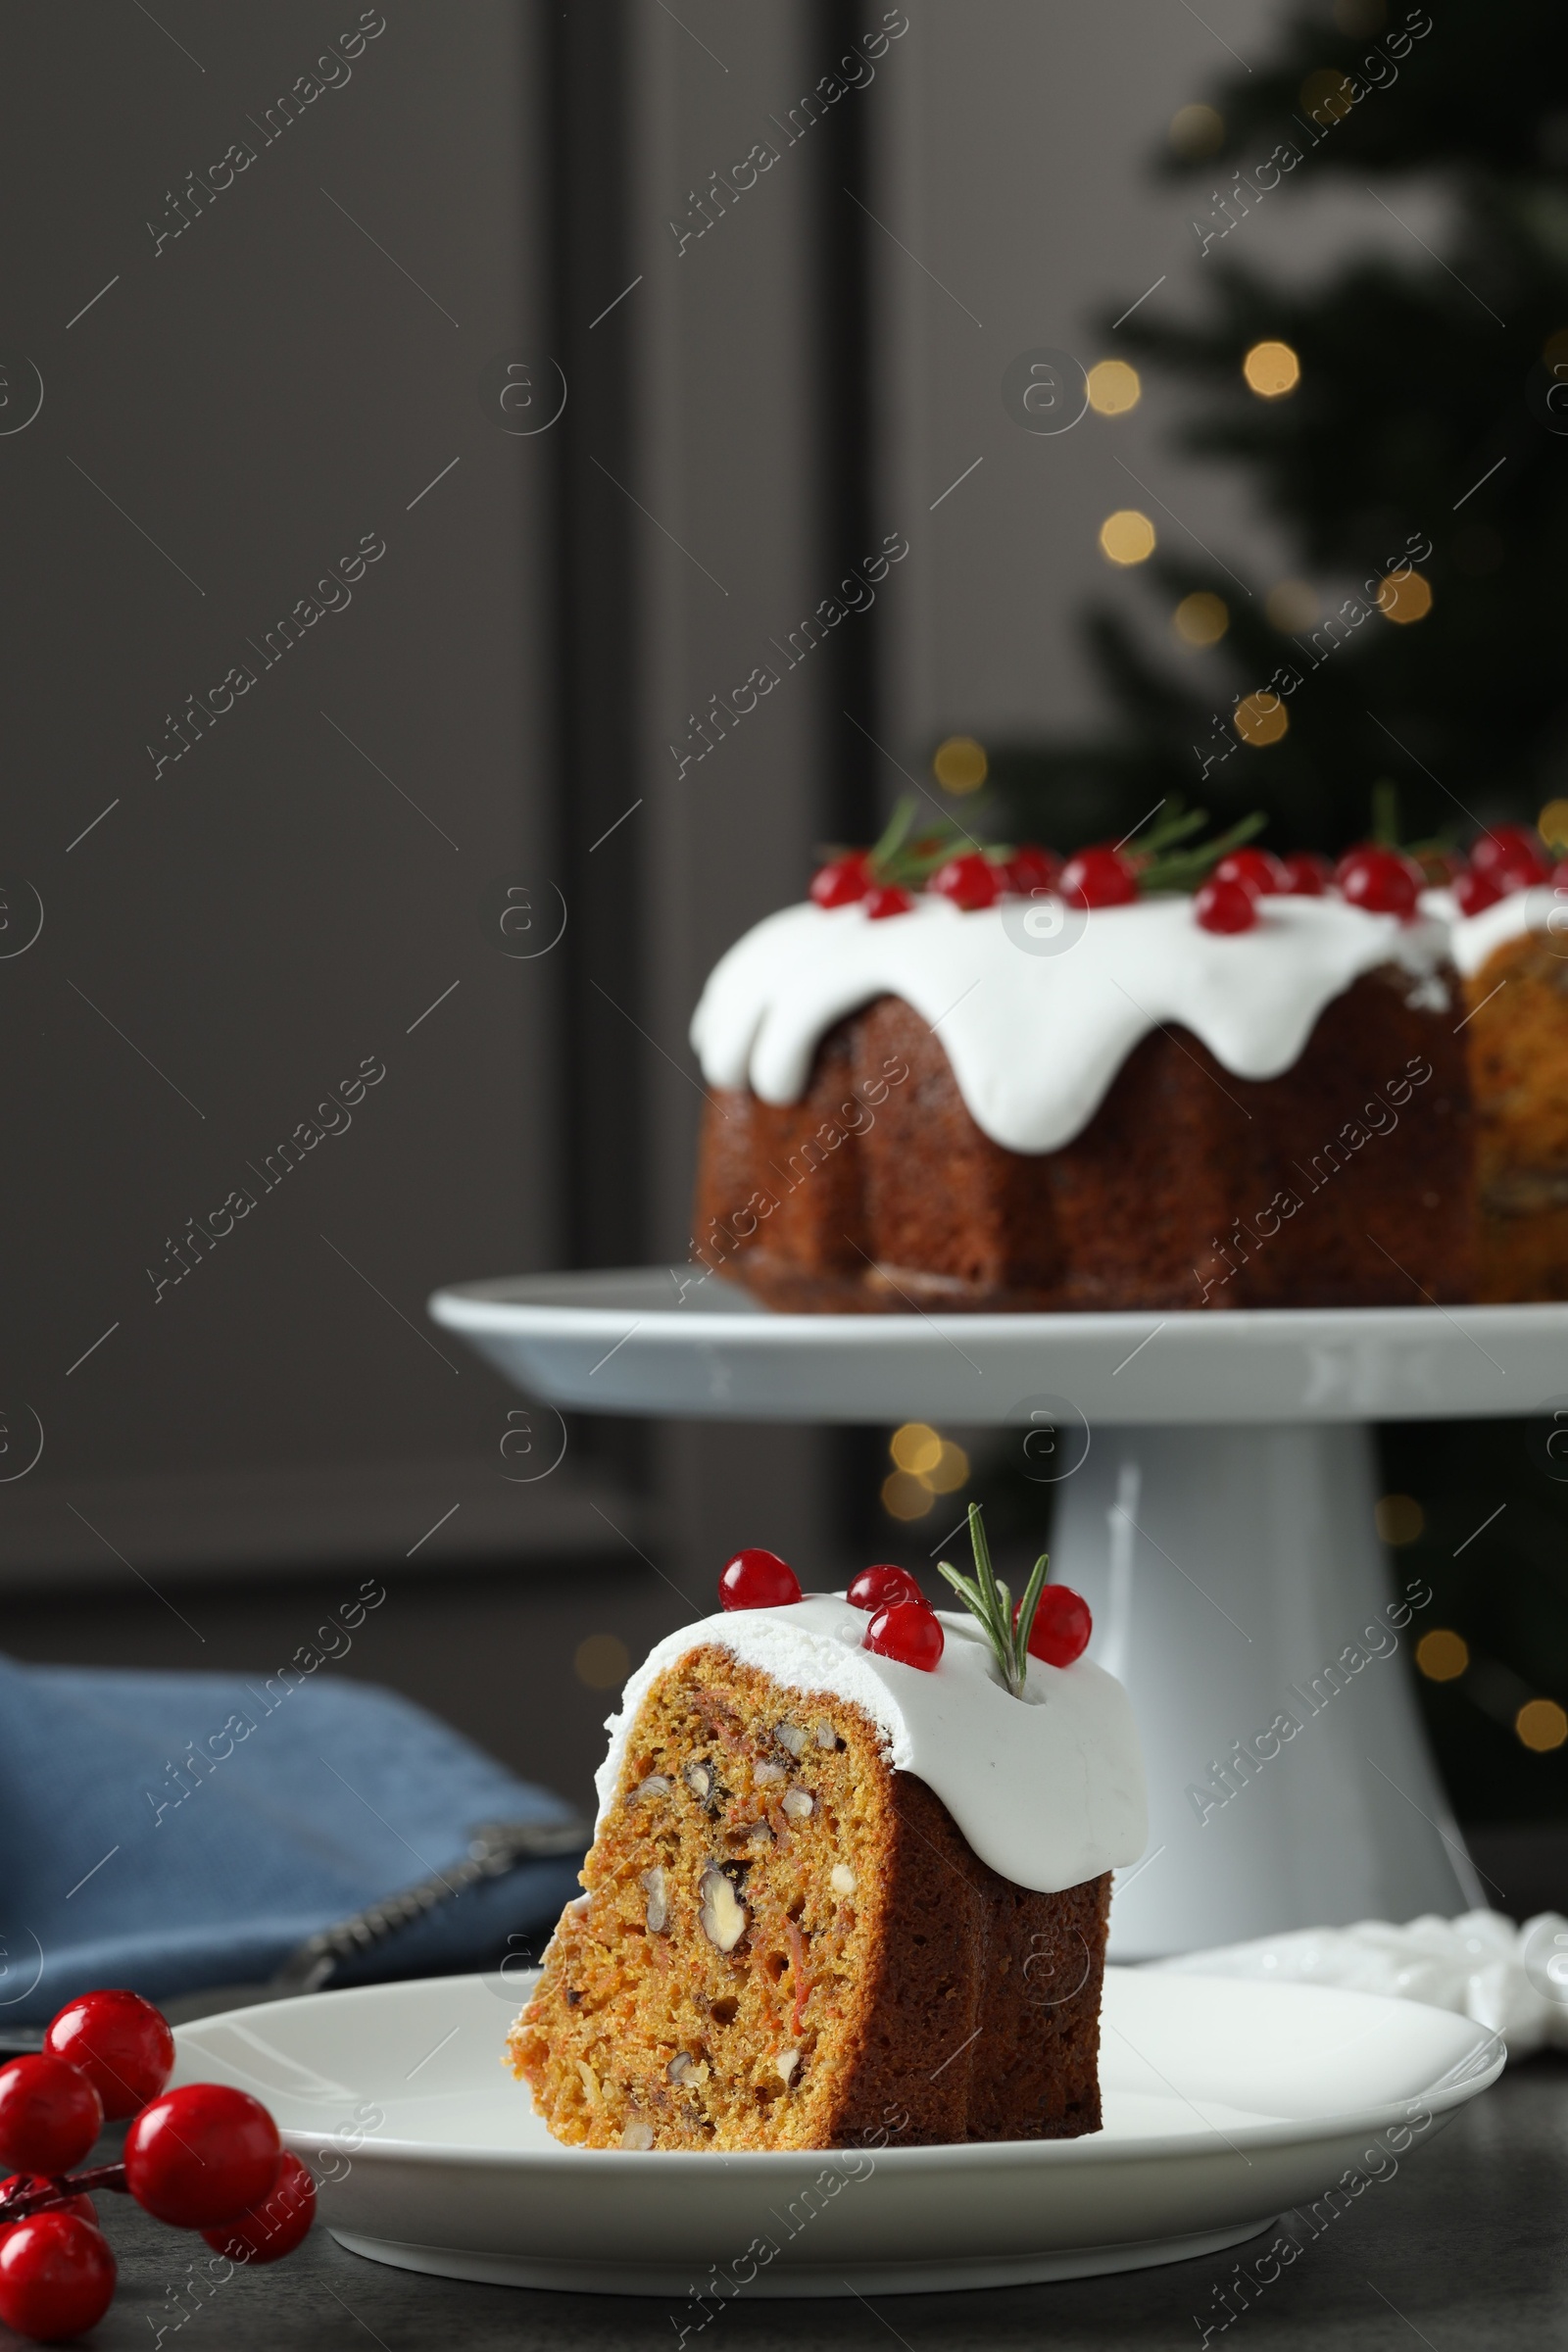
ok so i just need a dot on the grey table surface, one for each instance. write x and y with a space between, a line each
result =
1465 2246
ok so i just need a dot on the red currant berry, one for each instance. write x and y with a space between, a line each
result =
1516 871
1099 877
1380 881
120 2042
203 2154
1031 868
21 2183
1559 876
909 1631
1514 849
1257 870
1221 905
49 2115
841 882
758 1580
276 2226
1474 893
884 899
1062 1628
57 2276
1307 875
970 881
876 1587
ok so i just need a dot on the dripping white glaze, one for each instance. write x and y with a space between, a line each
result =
1474 937
1035 1040
1048 1788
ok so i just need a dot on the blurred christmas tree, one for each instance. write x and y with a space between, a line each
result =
1404 424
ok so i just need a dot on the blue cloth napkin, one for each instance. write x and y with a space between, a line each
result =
171 1832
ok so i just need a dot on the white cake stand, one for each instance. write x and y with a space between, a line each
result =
1214 1488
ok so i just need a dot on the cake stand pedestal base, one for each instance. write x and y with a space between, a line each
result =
1239 1591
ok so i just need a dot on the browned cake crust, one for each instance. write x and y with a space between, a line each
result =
1518 1039
1348 1181
887 1987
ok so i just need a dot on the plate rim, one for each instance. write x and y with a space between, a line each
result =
465 1306
1462 2079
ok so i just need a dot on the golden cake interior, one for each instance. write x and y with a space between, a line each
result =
785 1944
1518 1041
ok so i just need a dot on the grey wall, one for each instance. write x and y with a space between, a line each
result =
242 924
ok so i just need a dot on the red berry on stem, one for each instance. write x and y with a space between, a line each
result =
203 2154
275 2226
758 1580
1380 881
1474 893
909 1631
970 881
120 2042
49 2115
1032 869
1257 870
1062 1628
1559 876
842 881
1510 849
57 2276
886 899
1099 877
875 1588
1307 875
1224 905
21 2183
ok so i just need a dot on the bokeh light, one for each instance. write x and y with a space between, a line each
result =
1114 387
1552 825
1196 131
1406 600
603 1661
959 764
1399 1519
1260 720
1326 95
1202 618
1442 1655
915 1448
1127 537
1271 370
906 1497
1541 1725
926 1465
950 1471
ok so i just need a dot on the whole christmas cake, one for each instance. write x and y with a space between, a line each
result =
850 1880
1014 1085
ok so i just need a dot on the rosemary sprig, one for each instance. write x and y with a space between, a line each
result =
991 1601
1184 869
1174 822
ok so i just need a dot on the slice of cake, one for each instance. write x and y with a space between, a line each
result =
1096 1093
1514 959
850 1881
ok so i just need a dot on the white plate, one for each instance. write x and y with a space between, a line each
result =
629 1341
1225 2104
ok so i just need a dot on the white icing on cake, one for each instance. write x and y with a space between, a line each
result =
1048 1788
1473 938
1035 1038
